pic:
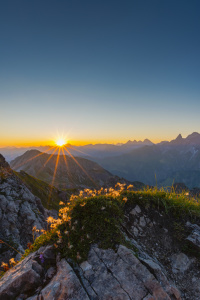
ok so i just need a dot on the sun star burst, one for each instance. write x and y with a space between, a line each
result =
60 142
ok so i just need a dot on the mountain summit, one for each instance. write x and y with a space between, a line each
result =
179 138
3 164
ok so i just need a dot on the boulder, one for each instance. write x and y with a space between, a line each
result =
180 263
194 237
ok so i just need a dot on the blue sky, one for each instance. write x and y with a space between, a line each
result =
98 70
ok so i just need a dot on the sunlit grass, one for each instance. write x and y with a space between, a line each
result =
96 216
171 202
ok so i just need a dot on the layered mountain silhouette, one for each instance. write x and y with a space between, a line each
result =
87 151
162 164
63 171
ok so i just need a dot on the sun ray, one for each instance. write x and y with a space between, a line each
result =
50 156
81 167
56 166
65 160
54 175
69 146
38 172
19 165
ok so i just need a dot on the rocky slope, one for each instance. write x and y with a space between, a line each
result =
70 173
159 261
20 211
49 195
105 275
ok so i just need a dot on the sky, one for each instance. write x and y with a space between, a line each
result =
98 71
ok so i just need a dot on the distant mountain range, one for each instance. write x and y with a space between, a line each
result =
161 164
76 172
88 151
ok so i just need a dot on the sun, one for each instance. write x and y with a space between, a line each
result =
60 142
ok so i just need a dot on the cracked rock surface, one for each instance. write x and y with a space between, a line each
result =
105 275
20 211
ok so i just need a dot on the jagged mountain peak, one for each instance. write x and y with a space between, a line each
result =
193 135
3 162
147 141
179 137
130 142
5 170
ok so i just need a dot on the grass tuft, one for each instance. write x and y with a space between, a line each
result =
95 217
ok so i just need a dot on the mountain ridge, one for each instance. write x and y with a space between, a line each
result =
71 172
99 150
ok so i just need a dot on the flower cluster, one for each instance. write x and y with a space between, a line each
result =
114 192
6 266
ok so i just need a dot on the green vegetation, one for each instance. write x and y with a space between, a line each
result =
180 205
95 220
48 195
95 217
89 221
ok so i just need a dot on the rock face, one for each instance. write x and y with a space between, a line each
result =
194 237
20 211
3 164
166 246
105 275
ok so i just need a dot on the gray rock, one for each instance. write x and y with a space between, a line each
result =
50 273
122 276
194 237
20 211
85 266
134 230
64 285
180 263
21 279
105 275
142 222
149 297
136 210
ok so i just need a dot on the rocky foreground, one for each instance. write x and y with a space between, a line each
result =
155 267
20 211
105 275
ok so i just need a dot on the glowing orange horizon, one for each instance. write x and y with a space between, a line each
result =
62 139
51 143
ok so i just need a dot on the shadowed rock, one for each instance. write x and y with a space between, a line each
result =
105 275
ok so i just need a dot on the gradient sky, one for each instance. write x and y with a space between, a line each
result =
98 71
